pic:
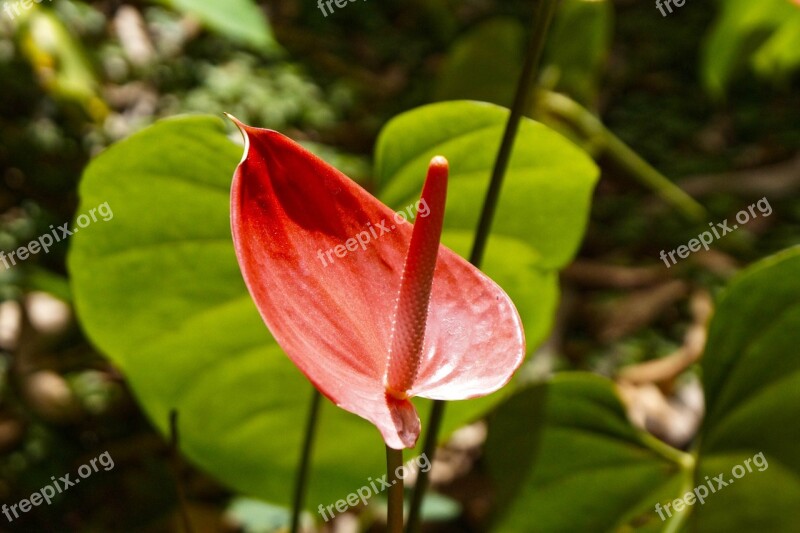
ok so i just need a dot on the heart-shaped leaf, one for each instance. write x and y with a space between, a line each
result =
587 469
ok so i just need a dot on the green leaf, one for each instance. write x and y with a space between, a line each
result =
240 20
484 64
157 288
764 499
752 376
766 32
61 61
780 54
585 468
593 471
578 46
543 206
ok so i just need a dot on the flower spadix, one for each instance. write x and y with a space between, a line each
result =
372 309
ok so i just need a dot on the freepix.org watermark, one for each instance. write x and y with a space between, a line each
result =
668 5
701 492
373 487
15 8
321 4
375 231
48 492
57 234
717 232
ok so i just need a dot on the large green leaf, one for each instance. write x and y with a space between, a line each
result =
587 469
543 206
157 289
240 20
752 377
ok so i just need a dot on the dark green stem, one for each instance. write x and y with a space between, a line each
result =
301 480
541 23
394 517
542 17
175 456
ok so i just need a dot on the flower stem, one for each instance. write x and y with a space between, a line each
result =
429 450
301 481
541 22
394 462
543 15
177 469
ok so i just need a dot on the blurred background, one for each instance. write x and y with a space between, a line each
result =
709 100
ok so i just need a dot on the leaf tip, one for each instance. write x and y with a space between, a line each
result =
243 130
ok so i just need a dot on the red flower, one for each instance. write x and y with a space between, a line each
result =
325 262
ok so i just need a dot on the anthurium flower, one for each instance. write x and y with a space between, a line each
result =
372 309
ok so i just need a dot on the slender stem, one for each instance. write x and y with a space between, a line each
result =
429 450
305 461
687 473
541 22
592 129
175 456
394 462
543 15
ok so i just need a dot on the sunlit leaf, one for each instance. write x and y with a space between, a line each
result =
764 33
241 20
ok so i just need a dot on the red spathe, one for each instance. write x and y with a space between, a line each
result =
333 314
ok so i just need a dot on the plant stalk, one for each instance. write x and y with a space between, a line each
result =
301 481
175 455
394 518
543 15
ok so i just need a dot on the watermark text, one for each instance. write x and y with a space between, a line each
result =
373 487
48 492
57 234
715 484
717 232
373 231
